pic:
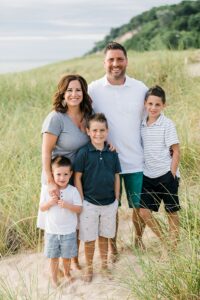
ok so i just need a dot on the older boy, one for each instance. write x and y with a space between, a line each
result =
97 179
161 159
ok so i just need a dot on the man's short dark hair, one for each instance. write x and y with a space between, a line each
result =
156 91
115 46
61 161
97 118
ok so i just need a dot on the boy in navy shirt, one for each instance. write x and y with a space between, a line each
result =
97 179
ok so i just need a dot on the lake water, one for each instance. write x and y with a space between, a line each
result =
35 33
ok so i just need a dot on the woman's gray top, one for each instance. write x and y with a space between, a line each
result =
70 137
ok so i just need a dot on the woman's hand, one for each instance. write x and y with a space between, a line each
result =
53 189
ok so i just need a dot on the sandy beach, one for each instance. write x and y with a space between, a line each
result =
26 275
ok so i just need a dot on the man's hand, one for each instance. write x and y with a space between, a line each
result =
111 147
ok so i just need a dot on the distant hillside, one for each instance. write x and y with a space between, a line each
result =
166 27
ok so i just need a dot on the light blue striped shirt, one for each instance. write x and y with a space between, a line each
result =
156 141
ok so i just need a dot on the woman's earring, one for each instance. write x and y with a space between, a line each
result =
64 103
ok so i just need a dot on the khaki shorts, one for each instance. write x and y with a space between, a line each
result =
97 220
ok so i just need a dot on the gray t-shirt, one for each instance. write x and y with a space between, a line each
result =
70 137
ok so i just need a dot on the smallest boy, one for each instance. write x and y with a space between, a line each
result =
97 179
161 159
61 219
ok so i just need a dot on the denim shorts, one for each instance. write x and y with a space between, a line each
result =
57 245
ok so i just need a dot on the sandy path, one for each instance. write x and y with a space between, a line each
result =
26 274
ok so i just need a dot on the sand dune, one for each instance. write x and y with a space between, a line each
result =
26 275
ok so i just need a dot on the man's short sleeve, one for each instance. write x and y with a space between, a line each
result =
171 137
53 124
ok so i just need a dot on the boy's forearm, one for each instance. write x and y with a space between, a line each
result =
46 206
174 166
175 158
117 186
74 208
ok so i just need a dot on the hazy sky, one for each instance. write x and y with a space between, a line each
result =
52 30
28 16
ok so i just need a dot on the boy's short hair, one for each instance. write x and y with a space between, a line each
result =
99 117
115 46
61 161
156 91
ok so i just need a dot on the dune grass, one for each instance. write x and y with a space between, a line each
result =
26 100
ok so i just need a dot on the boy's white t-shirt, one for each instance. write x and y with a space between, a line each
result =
57 220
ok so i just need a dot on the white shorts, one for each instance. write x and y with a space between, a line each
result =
97 220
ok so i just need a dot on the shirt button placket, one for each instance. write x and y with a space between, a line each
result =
100 155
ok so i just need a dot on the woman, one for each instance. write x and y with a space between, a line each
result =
63 130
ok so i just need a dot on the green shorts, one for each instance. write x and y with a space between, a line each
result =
133 188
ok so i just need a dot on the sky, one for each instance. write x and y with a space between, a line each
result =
43 31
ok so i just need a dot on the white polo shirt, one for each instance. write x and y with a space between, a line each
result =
123 106
57 220
156 140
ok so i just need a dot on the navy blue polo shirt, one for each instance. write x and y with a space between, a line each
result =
98 170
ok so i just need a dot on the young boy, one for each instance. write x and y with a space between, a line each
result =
161 159
97 179
61 219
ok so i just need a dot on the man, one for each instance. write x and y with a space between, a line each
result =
121 99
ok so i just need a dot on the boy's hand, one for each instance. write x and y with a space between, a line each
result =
54 200
173 173
61 203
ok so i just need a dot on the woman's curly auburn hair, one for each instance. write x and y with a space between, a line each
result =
85 105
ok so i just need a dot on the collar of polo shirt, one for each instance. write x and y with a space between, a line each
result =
92 148
126 83
158 122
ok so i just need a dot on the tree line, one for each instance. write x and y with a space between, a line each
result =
166 27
